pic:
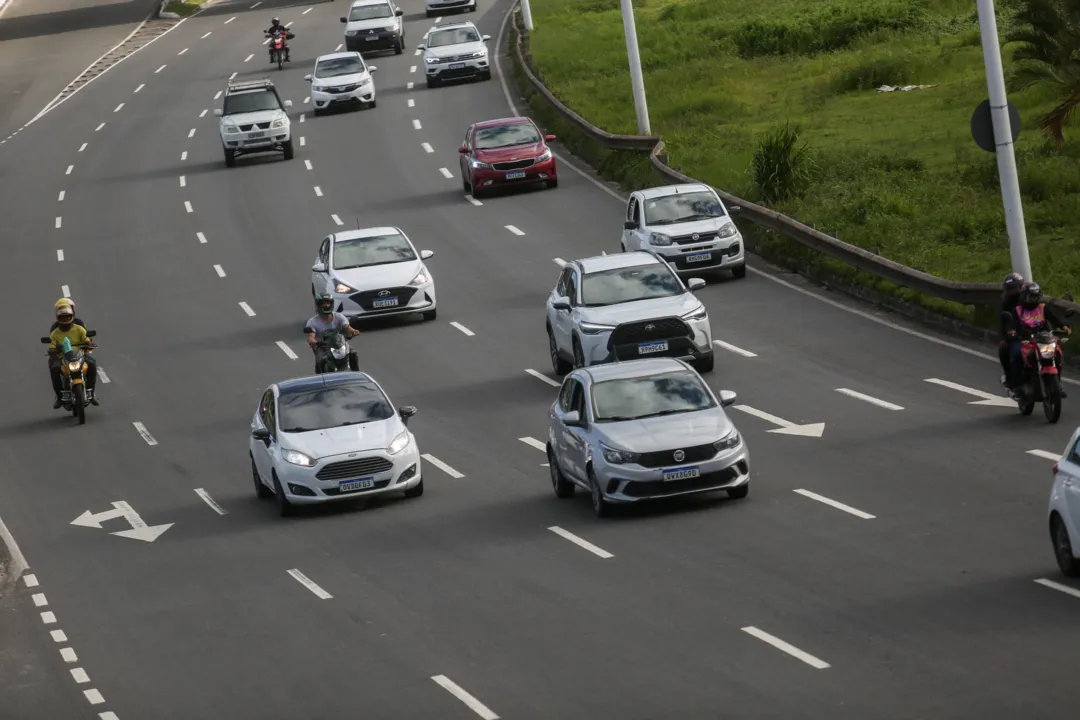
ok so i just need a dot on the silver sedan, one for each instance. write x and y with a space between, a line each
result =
643 430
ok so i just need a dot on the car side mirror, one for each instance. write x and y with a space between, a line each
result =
486 38
45 341
734 210
572 419
630 225
549 138
561 303
406 412
217 113
464 149
372 68
261 434
727 398
399 12
695 284
318 267
307 78
91 333
288 103
425 254
421 46
344 20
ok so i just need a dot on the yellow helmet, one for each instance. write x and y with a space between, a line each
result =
62 302
65 311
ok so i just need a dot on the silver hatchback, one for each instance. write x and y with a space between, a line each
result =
643 430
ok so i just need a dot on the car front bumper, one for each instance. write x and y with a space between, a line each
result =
486 179
373 42
713 255
323 100
694 347
245 143
369 303
633 483
457 70
301 487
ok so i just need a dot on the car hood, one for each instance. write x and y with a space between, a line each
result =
373 24
455 50
342 440
339 80
260 116
517 152
666 433
379 276
675 306
694 226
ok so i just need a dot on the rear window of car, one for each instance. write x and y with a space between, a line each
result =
333 407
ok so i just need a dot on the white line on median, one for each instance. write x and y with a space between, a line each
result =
210 501
59 256
182 51
469 701
584 544
868 398
533 442
191 133
219 270
837 505
307 164
65 291
69 169
416 125
39 600
446 173
59 222
786 647
734 349
473 200
287 350
545 378
310 585
60 197
463 329
318 191
183 181
83 147
202 238
513 229
336 220
68 655
247 308
187 206
98 128
1045 454
427 148
1059 587
442 466
411 103
141 429
118 107
80 676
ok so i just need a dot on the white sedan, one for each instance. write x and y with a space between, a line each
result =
341 80
1064 512
374 272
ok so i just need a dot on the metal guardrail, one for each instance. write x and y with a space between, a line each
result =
964 293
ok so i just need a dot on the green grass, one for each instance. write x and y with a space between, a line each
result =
184 9
895 172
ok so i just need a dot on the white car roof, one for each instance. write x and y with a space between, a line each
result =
366 232
364 3
599 263
634 369
337 55
665 190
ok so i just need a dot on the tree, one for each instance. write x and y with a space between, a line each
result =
1048 34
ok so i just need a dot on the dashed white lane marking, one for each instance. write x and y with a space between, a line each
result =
473 200
48 617
183 155
463 329
543 377
870 399
191 132
102 376
1045 454
338 48
427 148
307 99
69 169
31 581
65 291
58 636
533 442
68 655
732 348
412 69
446 173
83 147
307 164
306 11
411 102
233 76
107 716
303 141
220 272
248 58
39 600
118 107
1059 587
514 230
287 350
141 86
202 238
443 466
247 308
80 676
59 222
60 197
145 434
206 35
158 70
318 191
59 256
203 113
187 206
786 647
182 51
468 700
310 584
98 128
94 697
416 125
438 20
289 24
210 501
183 181
835 504
417 53
301 117
217 95
336 219
409 85
234 17
581 543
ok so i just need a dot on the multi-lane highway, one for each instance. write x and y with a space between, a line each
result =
886 568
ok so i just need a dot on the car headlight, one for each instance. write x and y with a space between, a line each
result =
431 60
660 239
1047 351
728 441
297 458
700 314
342 288
482 52
477 165
399 443
279 123
230 129
727 231
365 81
594 328
619 457
352 33
420 279
545 157
75 366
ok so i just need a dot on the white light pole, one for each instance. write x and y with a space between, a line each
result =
1006 156
526 15
637 80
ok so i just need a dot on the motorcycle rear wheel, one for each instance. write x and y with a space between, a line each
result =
79 403
1052 399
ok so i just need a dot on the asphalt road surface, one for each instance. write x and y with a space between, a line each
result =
886 569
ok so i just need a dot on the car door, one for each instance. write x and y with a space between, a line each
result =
557 431
262 450
463 158
562 325
576 438
319 278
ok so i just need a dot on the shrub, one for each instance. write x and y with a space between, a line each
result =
875 72
781 167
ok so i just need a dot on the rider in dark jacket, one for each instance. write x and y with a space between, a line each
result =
1010 298
1031 315
277 27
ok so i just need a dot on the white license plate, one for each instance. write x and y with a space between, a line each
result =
682 473
698 257
456 66
257 135
371 38
361 484
388 302
515 175
653 347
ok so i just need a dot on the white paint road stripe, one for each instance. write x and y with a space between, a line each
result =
118 107
559 261
80 675
338 48
60 256
68 655
141 86
65 291
442 466
233 76
302 117
287 350
102 376
318 191
110 715
427 148
307 99
183 181
59 222
69 169
473 200
446 173
203 113
734 349
202 238
411 103
187 206
416 125
533 442
182 51
217 94
58 636
60 198
513 229
987 398
307 164
156 72
234 17
409 85
248 58
98 128
463 329
412 69
191 133
48 617
83 147
39 600
870 399
469 701
94 697
786 647
837 505
303 141
310 585
219 270
306 11
247 308
141 429
206 35
336 220
183 155
1059 587
417 53
210 501
31 581
545 378
585 544
1045 454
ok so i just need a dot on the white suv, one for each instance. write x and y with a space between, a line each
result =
454 51
686 224
253 120
1064 511
626 306
374 25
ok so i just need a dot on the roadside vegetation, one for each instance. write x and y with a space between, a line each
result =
777 101
184 9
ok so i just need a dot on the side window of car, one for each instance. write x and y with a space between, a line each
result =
631 207
566 393
560 287
637 213
571 288
577 400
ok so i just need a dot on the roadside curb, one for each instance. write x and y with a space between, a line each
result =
12 561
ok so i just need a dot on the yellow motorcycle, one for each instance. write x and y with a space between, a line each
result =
73 374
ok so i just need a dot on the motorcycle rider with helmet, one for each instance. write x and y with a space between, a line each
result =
1030 316
277 27
325 319
67 327
70 303
1011 287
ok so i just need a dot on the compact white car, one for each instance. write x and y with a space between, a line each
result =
623 307
454 51
1064 513
433 7
374 272
341 79
688 225
253 120
374 25
331 437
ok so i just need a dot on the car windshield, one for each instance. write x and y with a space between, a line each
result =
685 207
337 67
611 287
331 407
670 393
369 12
246 102
374 250
506 136
456 36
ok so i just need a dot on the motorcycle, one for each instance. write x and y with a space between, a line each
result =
73 368
338 357
277 46
1041 379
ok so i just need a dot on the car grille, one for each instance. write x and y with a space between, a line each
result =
515 164
354 468
342 88
654 488
337 491
695 238
457 58
648 330
255 126
665 458
367 298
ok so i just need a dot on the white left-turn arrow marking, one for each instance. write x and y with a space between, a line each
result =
139 529
785 427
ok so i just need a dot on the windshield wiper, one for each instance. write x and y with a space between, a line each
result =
616 418
664 412
354 422
297 429
699 216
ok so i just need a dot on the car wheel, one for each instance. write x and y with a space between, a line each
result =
430 314
287 149
415 492
285 508
737 493
705 365
600 506
432 82
552 184
261 491
429 13
579 356
373 103
558 364
486 75
739 271
400 47
1063 548
563 488
230 158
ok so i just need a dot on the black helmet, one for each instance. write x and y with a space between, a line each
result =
324 303
275 21
1013 282
1031 294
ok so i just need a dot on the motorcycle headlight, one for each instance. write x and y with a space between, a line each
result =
1047 351
594 328
399 443
230 129
728 441
297 458
700 314
420 279
279 123
727 231
342 287
660 239
339 353
75 366
477 165
619 457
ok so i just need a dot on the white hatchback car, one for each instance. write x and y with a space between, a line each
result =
341 79
1064 512
454 51
375 272
688 225
331 437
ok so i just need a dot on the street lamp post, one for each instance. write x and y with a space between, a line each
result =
637 80
526 14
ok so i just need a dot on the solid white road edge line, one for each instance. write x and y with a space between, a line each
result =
286 349
141 429
1059 587
733 348
247 308
835 504
463 329
584 544
533 442
514 230
786 647
210 501
545 378
869 399
310 584
1045 454
468 700
442 466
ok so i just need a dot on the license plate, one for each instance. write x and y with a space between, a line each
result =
370 38
515 175
351 485
456 66
653 347
698 257
257 135
682 473
388 302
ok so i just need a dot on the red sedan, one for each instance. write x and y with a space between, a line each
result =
510 151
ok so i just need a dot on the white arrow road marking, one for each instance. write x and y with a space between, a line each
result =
545 378
732 348
1059 587
442 466
139 529
835 504
987 398
785 427
585 544
1044 454
94 520
786 647
469 701
533 442
869 399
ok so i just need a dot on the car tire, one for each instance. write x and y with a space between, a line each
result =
486 75
705 365
552 184
738 493
285 508
261 491
1059 536
429 13
739 271
373 103
287 149
230 158
432 82
400 47
558 364
579 355
601 507
564 489
415 492
430 314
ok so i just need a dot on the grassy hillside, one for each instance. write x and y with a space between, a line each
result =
897 172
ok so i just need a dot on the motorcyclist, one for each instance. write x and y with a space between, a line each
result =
66 327
1030 316
325 319
70 303
277 27
1011 287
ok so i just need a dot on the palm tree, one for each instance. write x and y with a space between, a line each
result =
1048 32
